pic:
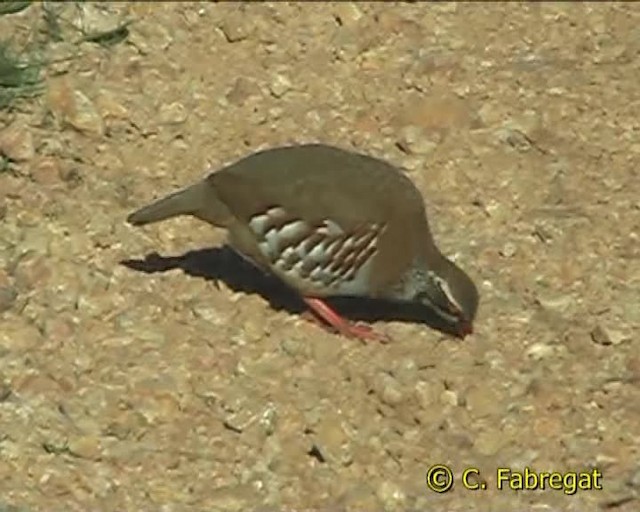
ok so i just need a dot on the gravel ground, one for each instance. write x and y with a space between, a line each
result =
148 369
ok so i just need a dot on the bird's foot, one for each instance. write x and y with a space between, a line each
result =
360 331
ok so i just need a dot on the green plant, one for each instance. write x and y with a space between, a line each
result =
19 77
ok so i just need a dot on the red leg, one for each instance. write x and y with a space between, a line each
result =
360 331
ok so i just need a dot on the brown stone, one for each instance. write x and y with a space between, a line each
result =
16 142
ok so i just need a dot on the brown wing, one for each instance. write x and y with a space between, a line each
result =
316 183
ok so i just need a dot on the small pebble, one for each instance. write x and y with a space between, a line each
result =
241 90
559 304
488 442
449 397
347 14
236 27
73 107
389 389
280 85
414 141
426 393
110 107
482 400
46 171
85 447
508 250
539 351
173 113
16 142
603 335
391 495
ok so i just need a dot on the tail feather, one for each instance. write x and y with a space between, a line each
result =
182 202
199 200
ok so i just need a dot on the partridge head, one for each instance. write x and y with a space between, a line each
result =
329 222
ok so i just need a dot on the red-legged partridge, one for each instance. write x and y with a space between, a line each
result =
329 222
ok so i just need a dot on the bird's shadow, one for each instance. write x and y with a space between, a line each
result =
223 264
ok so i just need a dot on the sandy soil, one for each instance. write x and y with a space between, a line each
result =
184 381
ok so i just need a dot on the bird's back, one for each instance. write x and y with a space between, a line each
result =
317 181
